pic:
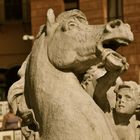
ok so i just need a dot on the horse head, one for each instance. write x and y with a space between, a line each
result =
75 45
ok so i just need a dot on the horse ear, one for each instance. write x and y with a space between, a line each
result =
50 17
51 24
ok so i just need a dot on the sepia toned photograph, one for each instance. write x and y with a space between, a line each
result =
71 69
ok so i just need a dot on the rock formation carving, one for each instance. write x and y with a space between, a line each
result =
49 96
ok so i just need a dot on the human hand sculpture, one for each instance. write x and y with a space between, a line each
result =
114 61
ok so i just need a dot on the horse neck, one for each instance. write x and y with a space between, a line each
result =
45 69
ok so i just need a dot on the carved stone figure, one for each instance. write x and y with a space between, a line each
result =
65 48
127 104
127 99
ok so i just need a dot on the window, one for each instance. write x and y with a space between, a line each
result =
114 9
71 4
13 9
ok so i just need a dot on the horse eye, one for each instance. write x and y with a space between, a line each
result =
72 24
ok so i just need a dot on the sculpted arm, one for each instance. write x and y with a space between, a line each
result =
104 83
100 78
115 64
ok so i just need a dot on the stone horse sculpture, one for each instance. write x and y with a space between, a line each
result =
49 94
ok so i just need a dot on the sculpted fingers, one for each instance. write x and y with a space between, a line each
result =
114 61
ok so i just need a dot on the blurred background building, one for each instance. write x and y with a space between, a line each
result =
21 17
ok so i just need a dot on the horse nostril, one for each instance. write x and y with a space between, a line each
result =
115 23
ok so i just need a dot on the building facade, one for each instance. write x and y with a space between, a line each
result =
97 12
